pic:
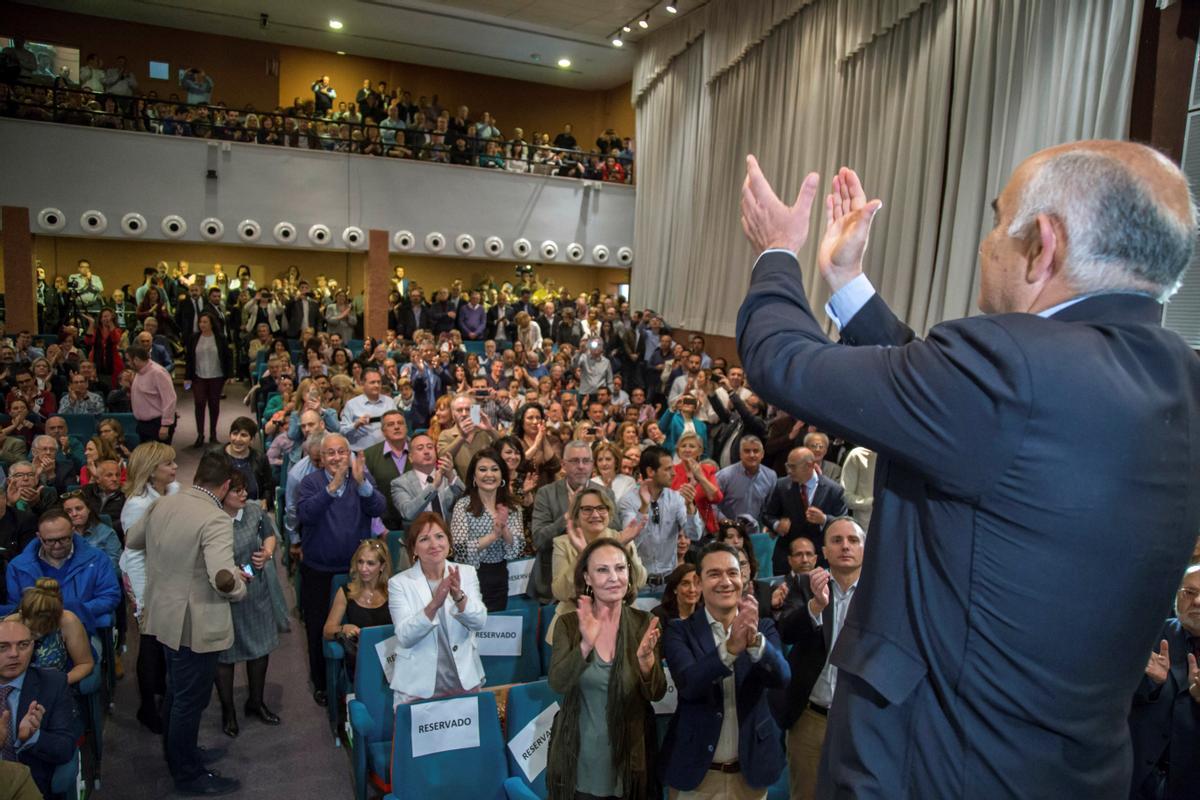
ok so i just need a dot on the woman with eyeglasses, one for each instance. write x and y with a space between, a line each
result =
607 665
486 529
255 623
589 518
363 601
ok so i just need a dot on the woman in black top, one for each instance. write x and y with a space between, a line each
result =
363 601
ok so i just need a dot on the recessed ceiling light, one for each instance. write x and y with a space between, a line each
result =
336 24
564 62
644 22
616 42
341 52
672 9
626 28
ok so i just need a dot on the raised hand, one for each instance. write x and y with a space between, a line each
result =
647 652
1159 665
634 528
1193 677
575 536
453 582
767 222
818 579
501 521
688 492
848 218
359 469
32 721
589 625
779 595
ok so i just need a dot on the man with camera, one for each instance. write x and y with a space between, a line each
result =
303 312
595 370
362 414
89 288
323 96
262 308
198 85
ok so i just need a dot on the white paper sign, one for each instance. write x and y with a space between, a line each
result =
518 576
445 725
386 650
532 743
501 636
670 700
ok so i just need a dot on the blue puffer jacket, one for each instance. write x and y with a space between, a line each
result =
88 582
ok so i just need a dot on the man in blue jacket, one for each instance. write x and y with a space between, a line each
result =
722 740
982 657
84 573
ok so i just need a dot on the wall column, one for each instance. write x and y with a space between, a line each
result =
20 297
376 283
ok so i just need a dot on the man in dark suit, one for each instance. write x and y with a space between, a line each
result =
800 504
548 320
722 740
388 460
975 663
811 620
525 303
189 312
1164 722
413 315
500 318
38 722
216 307
303 311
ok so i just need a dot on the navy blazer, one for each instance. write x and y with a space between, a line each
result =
810 650
60 728
1166 720
784 502
1003 520
698 672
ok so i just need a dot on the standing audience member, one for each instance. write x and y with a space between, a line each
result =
467 437
190 581
811 621
551 505
363 601
334 509
607 666
722 740
487 531
858 481
387 460
681 597
151 397
800 504
431 485
362 415
436 609
668 513
1164 722
746 484
208 366
703 476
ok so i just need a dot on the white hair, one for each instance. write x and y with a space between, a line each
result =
1192 570
1118 235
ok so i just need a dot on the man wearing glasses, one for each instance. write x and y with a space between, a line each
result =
26 492
1164 722
668 513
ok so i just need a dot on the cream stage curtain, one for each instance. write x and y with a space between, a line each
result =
932 101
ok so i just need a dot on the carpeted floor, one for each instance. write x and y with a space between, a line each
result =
295 760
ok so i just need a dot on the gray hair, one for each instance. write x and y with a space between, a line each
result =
749 439
41 437
314 441
1193 569
1118 236
577 444
857 528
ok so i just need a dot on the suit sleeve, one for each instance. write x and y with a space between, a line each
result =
952 407
693 676
409 622
60 726
216 541
545 524
563 566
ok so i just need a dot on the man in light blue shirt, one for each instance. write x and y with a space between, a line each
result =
667 513
388 128
362 414
199 86
747 483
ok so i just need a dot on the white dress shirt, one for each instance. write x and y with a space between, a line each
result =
727 742
822 693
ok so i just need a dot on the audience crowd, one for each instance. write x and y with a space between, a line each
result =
490 424
378 121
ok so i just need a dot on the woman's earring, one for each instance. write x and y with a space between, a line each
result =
503 482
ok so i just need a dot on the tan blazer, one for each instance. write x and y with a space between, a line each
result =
563 586
187 538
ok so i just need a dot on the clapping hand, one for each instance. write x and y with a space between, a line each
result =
453 582
1193 678
818 579
31 722
688 492
575 536
358 469
501 518
1159 665
589 625
634 528
848 218
815 515
766 221
779 595
647 652
745 626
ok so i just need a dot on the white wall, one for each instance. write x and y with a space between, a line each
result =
76 170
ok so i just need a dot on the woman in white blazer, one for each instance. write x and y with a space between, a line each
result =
436 609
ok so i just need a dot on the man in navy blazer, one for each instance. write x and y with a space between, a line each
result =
801 504
722 740
977 661
38 709
1164 722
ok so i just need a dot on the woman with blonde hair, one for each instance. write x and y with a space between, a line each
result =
363 601
60 640
442 417
151 475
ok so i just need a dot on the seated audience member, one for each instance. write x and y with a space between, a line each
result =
703 476
97 450
20 430
60 641
1164 721
334 509
363 601
69 449
431 484
89 583
667 512
78 400
27 492
49 472
681 597
86 523
486 529
746 484
436 609
800 504
607 666
811 621
722 740
590 518
38 724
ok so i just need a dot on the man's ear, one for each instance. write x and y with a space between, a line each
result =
1046 249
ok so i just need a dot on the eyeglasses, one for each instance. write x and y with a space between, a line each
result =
1190 594
58 541
591 511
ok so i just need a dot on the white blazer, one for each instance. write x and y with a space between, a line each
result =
417 648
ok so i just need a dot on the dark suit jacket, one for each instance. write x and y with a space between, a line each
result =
1001 520
695 728
810 649
298 321
510 327
407 320
185 316
1165 720
60 724
383 469
548 326
784 502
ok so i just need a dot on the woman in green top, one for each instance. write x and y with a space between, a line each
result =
607 666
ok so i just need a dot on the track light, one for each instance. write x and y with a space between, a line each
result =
672 9
644 22
335 24
626 28
616 42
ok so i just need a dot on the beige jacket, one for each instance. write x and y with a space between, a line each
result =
187 538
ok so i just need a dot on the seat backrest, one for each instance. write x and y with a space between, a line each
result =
477 773
370 686
503 670
81 426
335 586
764 548
546 616
395 545
525 703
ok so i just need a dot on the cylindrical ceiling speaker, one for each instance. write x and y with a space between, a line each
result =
173 226
51 219
353 237
212 229
435 242
285 233
249 230
465 244
404 240
493 246
93 221
549 250
575 252
625 256
522 248
319 234
600 254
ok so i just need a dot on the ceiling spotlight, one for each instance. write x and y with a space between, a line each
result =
671 8
341 52
616 42
644 22
564 62
336 24
626 28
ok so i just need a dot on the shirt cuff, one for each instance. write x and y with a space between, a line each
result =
31 741
816 618
365 489
849 300
756 649
727 658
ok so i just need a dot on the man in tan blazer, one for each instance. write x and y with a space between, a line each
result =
190 580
